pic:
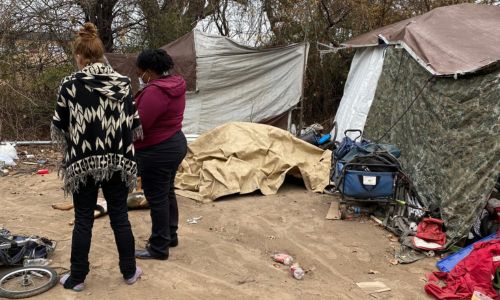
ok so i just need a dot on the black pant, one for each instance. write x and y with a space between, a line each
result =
157 167
115 192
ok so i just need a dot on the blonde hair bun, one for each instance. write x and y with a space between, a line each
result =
88 31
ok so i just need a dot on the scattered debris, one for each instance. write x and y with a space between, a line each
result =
62 206
30 156
394 261
246 280
297 272
194 220
43 171
137 200
373 272
41 162
8 154
373 287
283 258
480 296
379 222
271 237
334 211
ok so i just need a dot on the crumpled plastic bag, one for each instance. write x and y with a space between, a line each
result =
8 154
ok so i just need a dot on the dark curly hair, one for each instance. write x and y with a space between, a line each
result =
156 60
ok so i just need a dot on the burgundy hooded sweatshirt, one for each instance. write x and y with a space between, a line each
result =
161 107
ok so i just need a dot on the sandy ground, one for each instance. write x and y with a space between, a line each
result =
226 255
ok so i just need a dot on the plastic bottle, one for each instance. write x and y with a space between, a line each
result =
283 258
297 272
36 262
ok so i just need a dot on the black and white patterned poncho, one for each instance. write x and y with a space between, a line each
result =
96 122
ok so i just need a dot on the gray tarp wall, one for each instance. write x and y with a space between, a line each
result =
450 137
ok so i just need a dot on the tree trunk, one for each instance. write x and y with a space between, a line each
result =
101 14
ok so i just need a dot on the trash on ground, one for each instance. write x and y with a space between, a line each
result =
297 271
379 222
448 263
283 258
480 296
30 156
474 272
43 171
373 287
334 211
63 206
8 154
430 235
137 200
37 262
194 220
373 272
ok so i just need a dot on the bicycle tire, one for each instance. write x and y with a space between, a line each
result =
30 293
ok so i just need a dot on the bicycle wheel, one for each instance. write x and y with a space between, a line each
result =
26 282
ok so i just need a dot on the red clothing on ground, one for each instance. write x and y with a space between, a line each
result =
430 230
474 273
161 107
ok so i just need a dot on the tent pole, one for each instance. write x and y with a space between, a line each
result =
301 103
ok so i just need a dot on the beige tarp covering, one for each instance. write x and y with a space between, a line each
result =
447 40
246 157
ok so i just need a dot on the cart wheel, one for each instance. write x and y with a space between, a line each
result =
26 282
343 211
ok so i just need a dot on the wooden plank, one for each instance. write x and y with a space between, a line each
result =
373 287
334 211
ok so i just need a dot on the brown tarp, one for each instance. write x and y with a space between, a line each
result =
182 52
447 40
246 157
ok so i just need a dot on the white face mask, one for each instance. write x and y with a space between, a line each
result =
141 82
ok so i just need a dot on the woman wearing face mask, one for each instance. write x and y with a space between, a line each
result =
95 122
161 105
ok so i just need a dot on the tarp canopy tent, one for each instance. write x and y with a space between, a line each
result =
431 85
230 82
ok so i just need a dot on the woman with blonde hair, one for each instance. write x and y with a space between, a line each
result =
96 123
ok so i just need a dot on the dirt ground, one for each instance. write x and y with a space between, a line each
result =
227 254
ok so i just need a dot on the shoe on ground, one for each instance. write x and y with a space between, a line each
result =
77 288
137 276
145 254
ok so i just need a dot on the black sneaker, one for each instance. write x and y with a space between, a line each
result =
145 254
